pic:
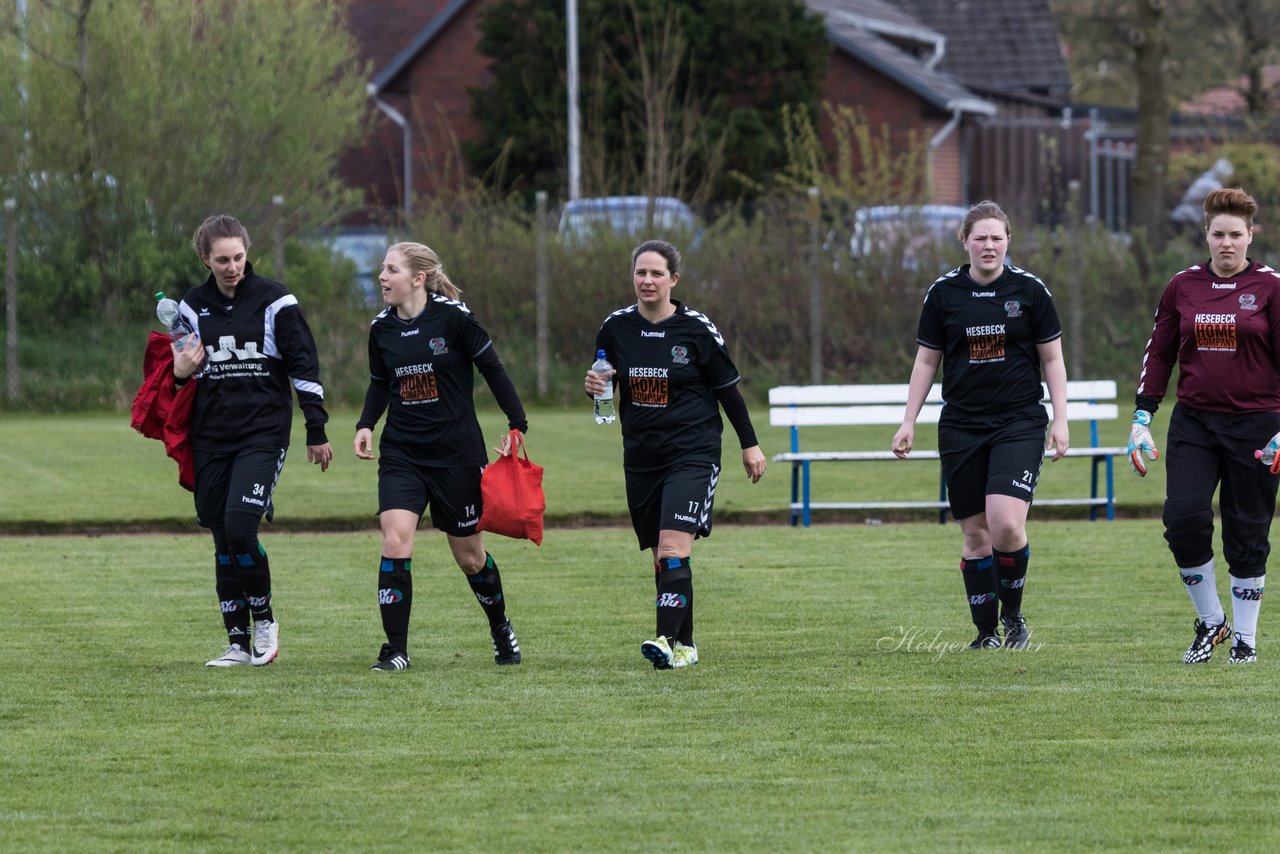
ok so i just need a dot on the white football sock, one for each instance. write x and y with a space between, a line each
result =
1246 601
1202 585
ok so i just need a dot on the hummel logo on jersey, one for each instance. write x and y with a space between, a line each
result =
1224 286
409 332
671 600
984 293
679 517
644 334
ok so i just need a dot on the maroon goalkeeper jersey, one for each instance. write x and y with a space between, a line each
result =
1224 335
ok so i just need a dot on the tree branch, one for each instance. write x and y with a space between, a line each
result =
40 54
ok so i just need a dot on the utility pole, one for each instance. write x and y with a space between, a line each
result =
277 235
575 118
542 288
815 291
11 297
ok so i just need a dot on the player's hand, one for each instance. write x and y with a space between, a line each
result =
595 383
363 443
1270 455
1059 439
753 461
903 441
1140 442
504 444
187 357
320 455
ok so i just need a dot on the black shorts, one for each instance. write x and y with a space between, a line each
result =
452 493
1004 460
674 499
239 481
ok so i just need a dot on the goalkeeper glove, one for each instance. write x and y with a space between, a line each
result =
1269 455
1140 442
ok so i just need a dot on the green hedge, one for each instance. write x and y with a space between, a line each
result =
751 272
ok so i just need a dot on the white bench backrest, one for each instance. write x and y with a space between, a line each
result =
809 395
842 405
816 416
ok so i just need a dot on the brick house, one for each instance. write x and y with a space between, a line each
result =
913 65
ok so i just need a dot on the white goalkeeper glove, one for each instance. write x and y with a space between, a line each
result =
1269 455
1140 442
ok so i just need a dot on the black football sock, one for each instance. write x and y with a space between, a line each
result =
1011 567
980 586
249 559
686 629
675 593
395 599
255 577
487 586
231 600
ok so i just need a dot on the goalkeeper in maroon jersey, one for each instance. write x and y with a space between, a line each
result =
1219 321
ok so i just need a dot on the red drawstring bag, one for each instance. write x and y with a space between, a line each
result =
511 491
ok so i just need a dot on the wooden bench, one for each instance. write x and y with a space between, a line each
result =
846 405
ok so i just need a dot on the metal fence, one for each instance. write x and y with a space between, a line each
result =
1027 164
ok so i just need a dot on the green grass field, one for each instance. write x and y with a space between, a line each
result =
75 472
833 709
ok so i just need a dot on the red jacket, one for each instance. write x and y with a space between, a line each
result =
161 412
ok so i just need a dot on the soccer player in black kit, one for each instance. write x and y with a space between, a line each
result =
424 349
252 347
673 374
993 328
1220 322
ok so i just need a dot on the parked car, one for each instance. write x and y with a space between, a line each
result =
365 247
913 230
627 216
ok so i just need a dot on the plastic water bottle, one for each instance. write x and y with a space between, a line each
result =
604 400
169 315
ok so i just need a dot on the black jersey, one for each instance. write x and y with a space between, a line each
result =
988 336
254 342
423 371
667 376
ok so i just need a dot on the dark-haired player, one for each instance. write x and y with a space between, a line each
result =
1220 322
424 350
673 374
992 328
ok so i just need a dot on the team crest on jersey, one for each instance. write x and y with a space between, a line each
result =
1014 308
1248 302
679 355
438 346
